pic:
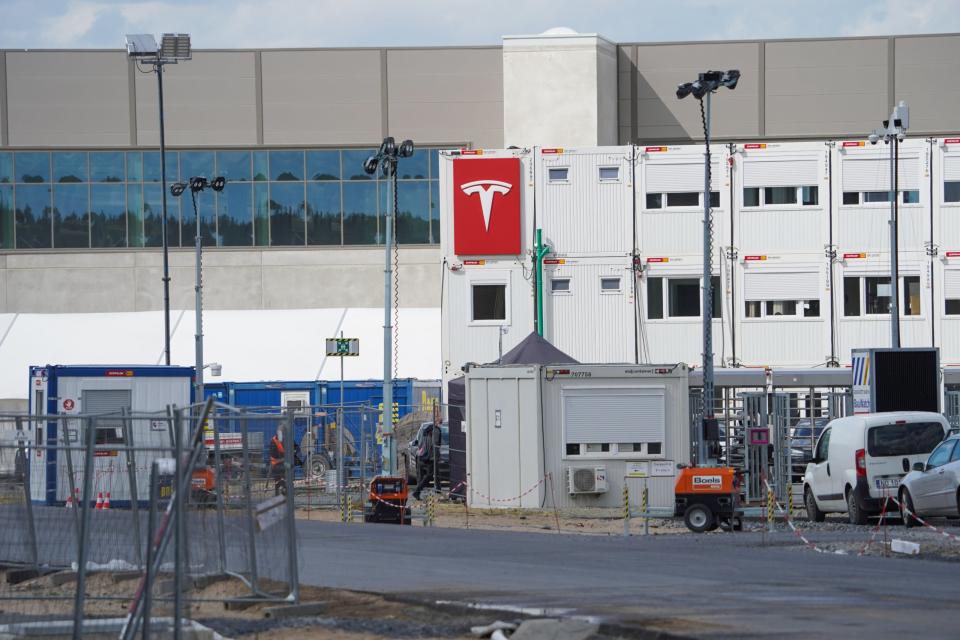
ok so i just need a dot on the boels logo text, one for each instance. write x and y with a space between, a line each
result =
707 482
486 207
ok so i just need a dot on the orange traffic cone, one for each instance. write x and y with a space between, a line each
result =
106 502
99 504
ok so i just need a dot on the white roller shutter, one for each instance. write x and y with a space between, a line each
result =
780 173
873 174
781 286
675 177
951 284
951 167
614 415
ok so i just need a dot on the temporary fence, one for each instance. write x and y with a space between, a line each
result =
170 501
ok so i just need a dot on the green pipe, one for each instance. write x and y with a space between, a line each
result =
540 252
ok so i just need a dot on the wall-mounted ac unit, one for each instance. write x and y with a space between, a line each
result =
586 480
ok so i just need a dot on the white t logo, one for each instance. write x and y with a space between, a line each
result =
486 189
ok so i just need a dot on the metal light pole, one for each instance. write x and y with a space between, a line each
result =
197 185
702 88
386 159
893 133
174 48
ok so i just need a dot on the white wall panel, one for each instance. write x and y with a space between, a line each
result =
781 231
785 342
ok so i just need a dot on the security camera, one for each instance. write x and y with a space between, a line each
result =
873 138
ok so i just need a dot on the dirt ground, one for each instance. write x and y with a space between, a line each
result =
601 522
340 614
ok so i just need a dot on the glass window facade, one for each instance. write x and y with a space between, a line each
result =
282 197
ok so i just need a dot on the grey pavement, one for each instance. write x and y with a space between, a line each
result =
709 586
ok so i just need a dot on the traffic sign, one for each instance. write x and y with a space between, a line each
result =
343 347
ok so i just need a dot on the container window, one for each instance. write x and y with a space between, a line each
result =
714 199
811 196
655 200
953 307
751 197
489 302
558 174
780 195
610 284
914 438
911 197
911 295
752 308
876 196
811 309
687 199
782 308
655 298
851 296
716 298
851 197
609 174
951 191
654 448
877 295
560 285
684 297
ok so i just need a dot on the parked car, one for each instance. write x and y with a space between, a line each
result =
408 455
932 488
860 459
803 437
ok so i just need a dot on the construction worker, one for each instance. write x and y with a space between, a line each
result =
427 451
277 471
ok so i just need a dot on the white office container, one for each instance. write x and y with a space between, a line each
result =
782 195
585 200
665 228
589 308
532 429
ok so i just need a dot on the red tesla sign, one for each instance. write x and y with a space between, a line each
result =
486 207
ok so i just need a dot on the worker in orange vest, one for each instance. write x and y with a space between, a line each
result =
277 472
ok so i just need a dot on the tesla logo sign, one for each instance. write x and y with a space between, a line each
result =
486 206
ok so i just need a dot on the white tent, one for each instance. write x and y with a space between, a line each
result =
287 344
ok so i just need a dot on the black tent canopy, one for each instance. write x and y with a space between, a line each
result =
534 349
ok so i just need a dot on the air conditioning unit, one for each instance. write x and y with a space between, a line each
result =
586 480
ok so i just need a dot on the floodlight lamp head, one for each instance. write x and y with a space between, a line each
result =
141 45
175 46
701 89
873 138
370 165
198 183
731 78
388 147
218 183
406 149
684 90
388 167
177 189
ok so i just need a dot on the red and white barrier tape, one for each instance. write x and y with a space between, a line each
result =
789 520
873 534
502 500
945 534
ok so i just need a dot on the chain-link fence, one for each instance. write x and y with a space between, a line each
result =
137 514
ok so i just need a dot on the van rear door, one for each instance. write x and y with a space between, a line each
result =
892 449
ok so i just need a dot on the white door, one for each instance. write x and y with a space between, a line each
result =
824 482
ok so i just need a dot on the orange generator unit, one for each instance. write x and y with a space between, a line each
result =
708 498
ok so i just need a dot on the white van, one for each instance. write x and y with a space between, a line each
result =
860 459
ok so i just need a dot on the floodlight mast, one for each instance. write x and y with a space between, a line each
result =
893 132
702 89
174 47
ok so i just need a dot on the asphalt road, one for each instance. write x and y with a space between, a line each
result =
708 586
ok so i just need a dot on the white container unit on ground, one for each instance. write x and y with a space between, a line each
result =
101 390
588 308
569 435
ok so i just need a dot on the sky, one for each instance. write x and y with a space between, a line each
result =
43 24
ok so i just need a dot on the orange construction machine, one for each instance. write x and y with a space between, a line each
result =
387 501
709 497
